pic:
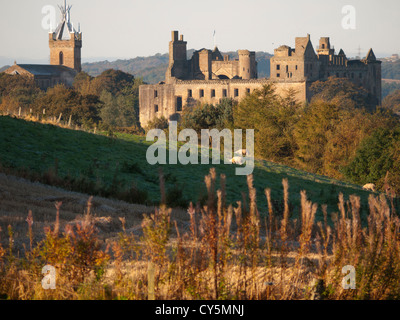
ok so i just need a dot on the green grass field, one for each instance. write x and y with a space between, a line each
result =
37 147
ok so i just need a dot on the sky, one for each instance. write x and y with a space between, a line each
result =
124 29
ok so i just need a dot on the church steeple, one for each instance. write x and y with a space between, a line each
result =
65 23
66 51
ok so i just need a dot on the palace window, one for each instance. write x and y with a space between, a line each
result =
61 58
278 67
236 93
156 108
190 93
212 93
155 94
224 93
178 103
201 93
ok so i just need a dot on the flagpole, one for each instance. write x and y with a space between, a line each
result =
215 40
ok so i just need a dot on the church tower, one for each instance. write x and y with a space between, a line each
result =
66 43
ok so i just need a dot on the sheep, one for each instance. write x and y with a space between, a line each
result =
242 152
237 160
369 187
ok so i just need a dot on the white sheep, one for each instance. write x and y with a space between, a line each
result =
369 187
242 152
237 160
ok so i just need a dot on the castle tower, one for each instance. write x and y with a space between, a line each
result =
374 76
247 65
66 51
324 47
178 64
205 63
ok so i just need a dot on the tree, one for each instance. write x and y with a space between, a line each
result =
87 112
120 98
344 139
341 92
83 84
157 123
378 154
208 116
311 134
392 102
118 111
16 92
273 119
113 81
68 102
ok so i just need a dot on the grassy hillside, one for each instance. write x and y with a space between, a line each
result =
122 161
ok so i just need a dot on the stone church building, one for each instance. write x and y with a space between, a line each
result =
209 77
65 56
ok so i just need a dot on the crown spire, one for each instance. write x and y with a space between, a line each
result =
65 21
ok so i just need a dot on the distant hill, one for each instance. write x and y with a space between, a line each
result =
152 69
391 69
4 68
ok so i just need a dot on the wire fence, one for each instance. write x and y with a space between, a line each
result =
59 120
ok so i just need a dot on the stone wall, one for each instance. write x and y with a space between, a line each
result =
71 52
169 100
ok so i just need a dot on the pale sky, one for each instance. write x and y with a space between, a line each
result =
130 28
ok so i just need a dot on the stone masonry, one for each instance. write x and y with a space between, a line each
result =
209 77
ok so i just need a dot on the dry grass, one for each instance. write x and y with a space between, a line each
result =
19 196
105 249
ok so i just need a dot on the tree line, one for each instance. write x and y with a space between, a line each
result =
110 100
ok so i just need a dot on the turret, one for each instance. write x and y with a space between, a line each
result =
247 64
324 47
177 67
65 42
